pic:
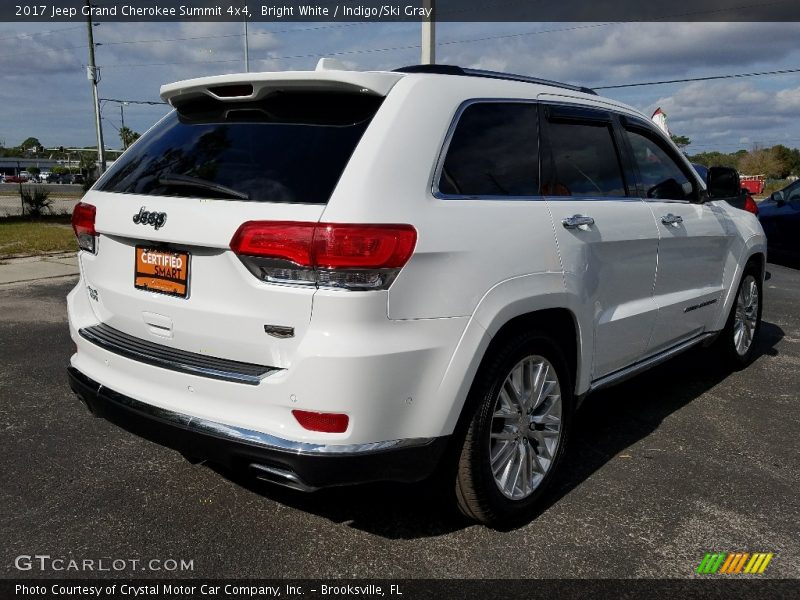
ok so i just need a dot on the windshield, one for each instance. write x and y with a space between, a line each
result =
290 147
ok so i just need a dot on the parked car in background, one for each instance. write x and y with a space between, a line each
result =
15 179
780 217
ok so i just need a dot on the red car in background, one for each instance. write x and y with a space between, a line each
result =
15 179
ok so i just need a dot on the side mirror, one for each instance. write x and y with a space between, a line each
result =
777 198
723 182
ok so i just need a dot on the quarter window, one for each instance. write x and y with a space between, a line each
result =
493 152
585 160
660 175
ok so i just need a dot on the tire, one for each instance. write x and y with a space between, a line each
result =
737 341
509 455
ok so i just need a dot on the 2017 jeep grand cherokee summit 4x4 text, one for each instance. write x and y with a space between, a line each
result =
333 277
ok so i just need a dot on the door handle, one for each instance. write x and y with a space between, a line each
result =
670 219
577 222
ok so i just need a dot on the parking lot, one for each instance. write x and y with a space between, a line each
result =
677 462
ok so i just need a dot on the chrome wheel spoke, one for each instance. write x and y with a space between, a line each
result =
513 395
520 476
502 459
505 415
537 465
541 446
504 435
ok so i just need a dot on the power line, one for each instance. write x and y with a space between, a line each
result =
148 102
377 50
689 79
26 53
232 35
21 36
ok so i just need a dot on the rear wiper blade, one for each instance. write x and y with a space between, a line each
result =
195 182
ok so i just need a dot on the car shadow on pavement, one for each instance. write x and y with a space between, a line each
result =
609 422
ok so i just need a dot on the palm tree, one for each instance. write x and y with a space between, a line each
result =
128 136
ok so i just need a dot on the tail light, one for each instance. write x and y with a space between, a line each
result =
750 205
325 422
83 217
350 256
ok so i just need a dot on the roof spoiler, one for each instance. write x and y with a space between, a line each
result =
246 87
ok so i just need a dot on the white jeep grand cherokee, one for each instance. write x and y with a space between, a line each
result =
333 277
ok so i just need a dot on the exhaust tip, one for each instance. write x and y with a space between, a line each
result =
283 477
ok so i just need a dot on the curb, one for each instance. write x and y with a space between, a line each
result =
43 255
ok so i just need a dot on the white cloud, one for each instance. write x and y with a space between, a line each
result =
44 84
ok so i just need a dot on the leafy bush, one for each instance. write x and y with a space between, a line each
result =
36 200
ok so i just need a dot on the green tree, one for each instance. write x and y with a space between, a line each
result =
790 157
715 159
681 141
761 161
128 136
31 144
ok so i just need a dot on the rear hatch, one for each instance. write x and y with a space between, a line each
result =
166 212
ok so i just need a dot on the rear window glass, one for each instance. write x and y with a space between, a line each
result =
289 147
494 152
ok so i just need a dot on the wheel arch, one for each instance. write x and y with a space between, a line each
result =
553 312
754 251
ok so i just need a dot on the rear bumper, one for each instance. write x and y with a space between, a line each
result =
297 465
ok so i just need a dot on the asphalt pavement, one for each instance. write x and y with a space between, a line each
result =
683 460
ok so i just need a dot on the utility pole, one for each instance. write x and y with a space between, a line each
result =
429 35
91 73
122 129
21 197
246 48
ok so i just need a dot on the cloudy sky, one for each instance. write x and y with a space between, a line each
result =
44 91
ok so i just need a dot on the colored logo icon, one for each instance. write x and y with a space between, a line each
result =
734 563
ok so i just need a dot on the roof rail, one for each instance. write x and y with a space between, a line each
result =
454 70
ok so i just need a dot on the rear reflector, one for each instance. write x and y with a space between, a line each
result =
83 218
352 256
325 422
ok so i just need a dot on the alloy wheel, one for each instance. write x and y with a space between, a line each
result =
746 316
526 427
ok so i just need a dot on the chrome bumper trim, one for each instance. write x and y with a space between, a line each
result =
173 359
258 438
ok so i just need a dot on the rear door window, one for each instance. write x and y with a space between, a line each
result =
585 160
288 148
494 151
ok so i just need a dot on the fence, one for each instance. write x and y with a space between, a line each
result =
64 198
